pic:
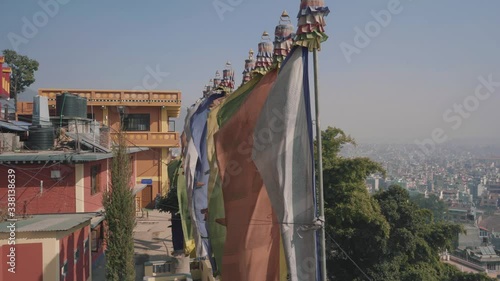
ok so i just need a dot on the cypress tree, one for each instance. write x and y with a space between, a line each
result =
119 207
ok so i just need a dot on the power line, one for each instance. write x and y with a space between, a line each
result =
347 255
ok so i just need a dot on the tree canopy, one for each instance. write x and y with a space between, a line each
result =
119 205
381 237
23 72
169 203
432 203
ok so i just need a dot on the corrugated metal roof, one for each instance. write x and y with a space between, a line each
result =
87 141
59 156
138 187
17 126
55 222
96 221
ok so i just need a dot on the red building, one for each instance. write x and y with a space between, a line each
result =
54 182
47 248
56 176
47 184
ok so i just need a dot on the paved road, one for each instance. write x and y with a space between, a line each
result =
153 242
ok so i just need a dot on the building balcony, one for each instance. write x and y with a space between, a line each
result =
152 139
169 99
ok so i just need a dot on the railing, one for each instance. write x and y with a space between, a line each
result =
103 97
467 263
153 139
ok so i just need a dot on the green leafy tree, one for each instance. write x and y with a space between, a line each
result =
119 206
432 203
333 139
23 72
380 237
170 203
348 206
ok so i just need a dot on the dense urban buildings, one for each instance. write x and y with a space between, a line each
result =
465 177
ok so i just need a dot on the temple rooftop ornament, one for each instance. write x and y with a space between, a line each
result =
283 38
249 66
264 55
227 83
217 79
311 24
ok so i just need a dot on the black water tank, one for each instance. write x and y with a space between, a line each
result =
78 112
40 138
82 107
67 105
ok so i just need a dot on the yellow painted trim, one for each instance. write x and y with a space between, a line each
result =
43 90
138 179
105 116
164 171
50 247
283 266
164 120
79 188
50 253
107 174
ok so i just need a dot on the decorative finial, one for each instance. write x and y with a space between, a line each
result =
283 38
285 18
250 54
311 27
264 55
265 36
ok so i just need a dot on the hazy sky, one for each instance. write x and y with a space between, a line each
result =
415 68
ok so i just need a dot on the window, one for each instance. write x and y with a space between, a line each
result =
77 255
136 122
97 238
171 125
95 182
161 268
64 270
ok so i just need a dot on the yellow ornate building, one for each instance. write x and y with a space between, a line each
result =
4 80
147 122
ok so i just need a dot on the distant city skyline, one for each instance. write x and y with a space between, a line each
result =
399 71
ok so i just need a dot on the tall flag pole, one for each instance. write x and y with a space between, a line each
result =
310 34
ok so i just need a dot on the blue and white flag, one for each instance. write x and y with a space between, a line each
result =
198 130
191 158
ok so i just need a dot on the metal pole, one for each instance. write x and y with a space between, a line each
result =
321 201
